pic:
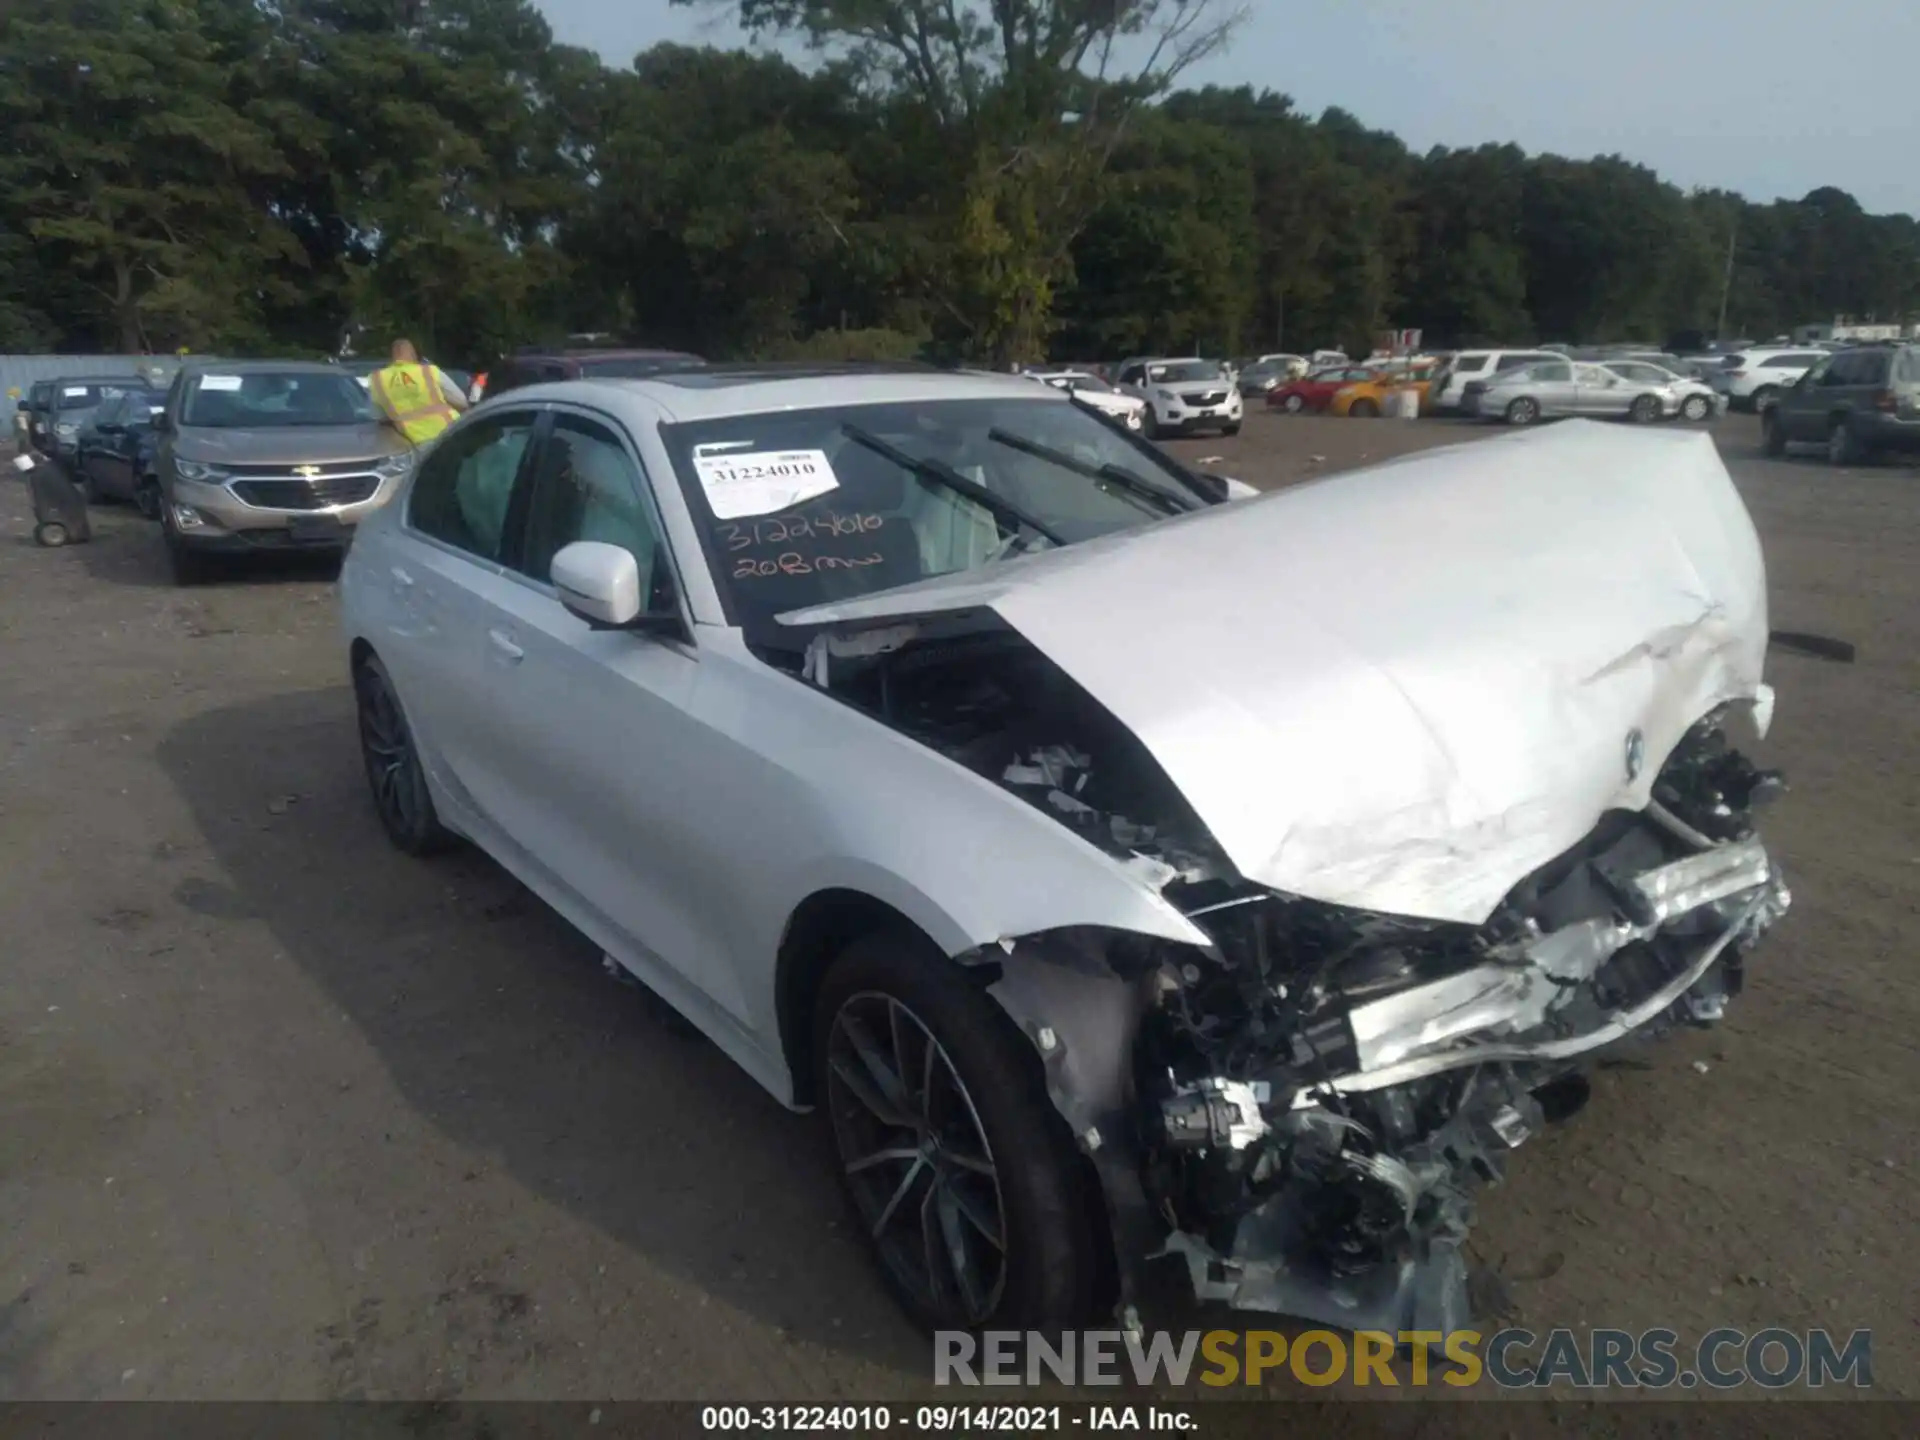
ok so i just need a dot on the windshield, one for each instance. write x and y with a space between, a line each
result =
805 507
274 399
85 394
1176 372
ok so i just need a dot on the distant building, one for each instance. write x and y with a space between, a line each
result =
1848 327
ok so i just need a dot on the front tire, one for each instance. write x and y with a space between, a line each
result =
1231 428
1644 410
189 566
1523 411
1763 397
1364 410
146 498
1294 404
51 534
957 1167
1773 440
394 771
1696 407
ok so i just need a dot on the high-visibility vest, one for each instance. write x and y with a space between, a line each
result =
410 396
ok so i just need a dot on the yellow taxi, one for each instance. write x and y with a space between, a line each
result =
1367 399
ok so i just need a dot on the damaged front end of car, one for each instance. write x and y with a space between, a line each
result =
1294 1118
1310 1103
1432 766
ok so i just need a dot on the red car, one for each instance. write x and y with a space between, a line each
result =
1315 391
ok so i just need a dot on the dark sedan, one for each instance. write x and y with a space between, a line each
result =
76 400
114 451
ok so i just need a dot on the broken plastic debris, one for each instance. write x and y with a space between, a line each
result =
1700 1067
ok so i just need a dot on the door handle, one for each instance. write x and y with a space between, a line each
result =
503 643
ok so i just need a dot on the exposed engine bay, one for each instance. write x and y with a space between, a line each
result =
1298 1115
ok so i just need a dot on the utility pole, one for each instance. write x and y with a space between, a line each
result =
1726 284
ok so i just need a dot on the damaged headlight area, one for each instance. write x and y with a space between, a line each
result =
1318 1098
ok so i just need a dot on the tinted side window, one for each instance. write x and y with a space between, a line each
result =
1789 362
1841 370
460 495
1874 367
587 487
1906 369
1469 364
1513 362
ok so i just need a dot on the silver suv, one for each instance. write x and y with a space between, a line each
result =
269 455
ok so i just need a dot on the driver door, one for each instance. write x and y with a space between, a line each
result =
602 768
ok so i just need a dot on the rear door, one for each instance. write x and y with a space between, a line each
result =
444 581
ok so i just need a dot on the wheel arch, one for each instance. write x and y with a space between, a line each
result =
820 927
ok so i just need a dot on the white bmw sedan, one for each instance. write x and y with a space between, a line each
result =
1126 877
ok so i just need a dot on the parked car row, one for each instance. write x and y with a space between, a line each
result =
1554 388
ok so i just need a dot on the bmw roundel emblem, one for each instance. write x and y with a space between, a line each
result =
1636 753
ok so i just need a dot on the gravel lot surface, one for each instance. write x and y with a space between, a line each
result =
284 1114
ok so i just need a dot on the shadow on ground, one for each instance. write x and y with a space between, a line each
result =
495 1020
126 549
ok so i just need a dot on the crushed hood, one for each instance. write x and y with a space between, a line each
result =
1407 687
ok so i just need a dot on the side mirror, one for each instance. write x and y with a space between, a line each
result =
601 584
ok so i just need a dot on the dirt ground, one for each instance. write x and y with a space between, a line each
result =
283 1114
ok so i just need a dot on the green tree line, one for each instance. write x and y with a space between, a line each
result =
977 179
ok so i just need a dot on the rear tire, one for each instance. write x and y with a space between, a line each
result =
146 498
1696 407
51 534
1294 404
979 1084
1644 410
1766 395
1523 411
394 772
1364 410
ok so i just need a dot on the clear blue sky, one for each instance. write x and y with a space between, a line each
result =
1772 98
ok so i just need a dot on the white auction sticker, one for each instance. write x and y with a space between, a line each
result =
762 481
219 382
73 392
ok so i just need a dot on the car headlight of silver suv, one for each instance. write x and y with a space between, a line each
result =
198 470
391 466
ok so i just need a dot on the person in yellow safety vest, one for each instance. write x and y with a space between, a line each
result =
417 400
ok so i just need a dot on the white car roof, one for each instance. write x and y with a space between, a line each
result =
716 393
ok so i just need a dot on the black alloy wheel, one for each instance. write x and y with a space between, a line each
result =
394 774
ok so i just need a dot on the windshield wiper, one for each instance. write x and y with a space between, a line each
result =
1116 474
1002 508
